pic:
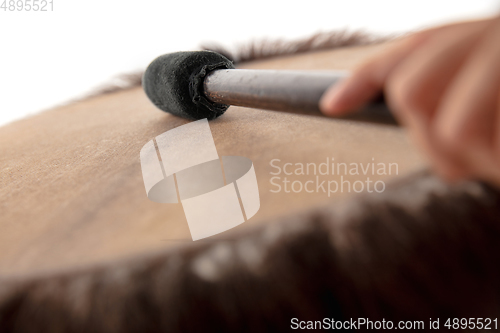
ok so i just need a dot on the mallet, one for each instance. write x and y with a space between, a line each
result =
202 84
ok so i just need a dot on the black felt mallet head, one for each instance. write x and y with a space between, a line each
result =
202 84
174 83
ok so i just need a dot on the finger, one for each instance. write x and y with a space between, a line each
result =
465 120
366 81
415 87
422 78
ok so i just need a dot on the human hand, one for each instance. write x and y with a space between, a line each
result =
443 84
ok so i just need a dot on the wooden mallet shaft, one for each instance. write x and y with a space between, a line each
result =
204 84
280 90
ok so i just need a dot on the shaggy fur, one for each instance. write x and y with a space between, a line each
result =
420 250
258 50
265 49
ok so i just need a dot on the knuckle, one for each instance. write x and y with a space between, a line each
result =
401 94
452 138
367 69
420 35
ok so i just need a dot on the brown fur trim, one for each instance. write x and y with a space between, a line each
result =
265 49
118 83
420 250
259 50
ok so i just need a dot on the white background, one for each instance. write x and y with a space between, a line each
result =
47 58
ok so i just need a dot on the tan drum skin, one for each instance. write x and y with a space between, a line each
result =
71 187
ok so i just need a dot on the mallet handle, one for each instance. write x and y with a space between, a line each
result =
289 91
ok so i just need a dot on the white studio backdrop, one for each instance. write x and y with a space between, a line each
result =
48 58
